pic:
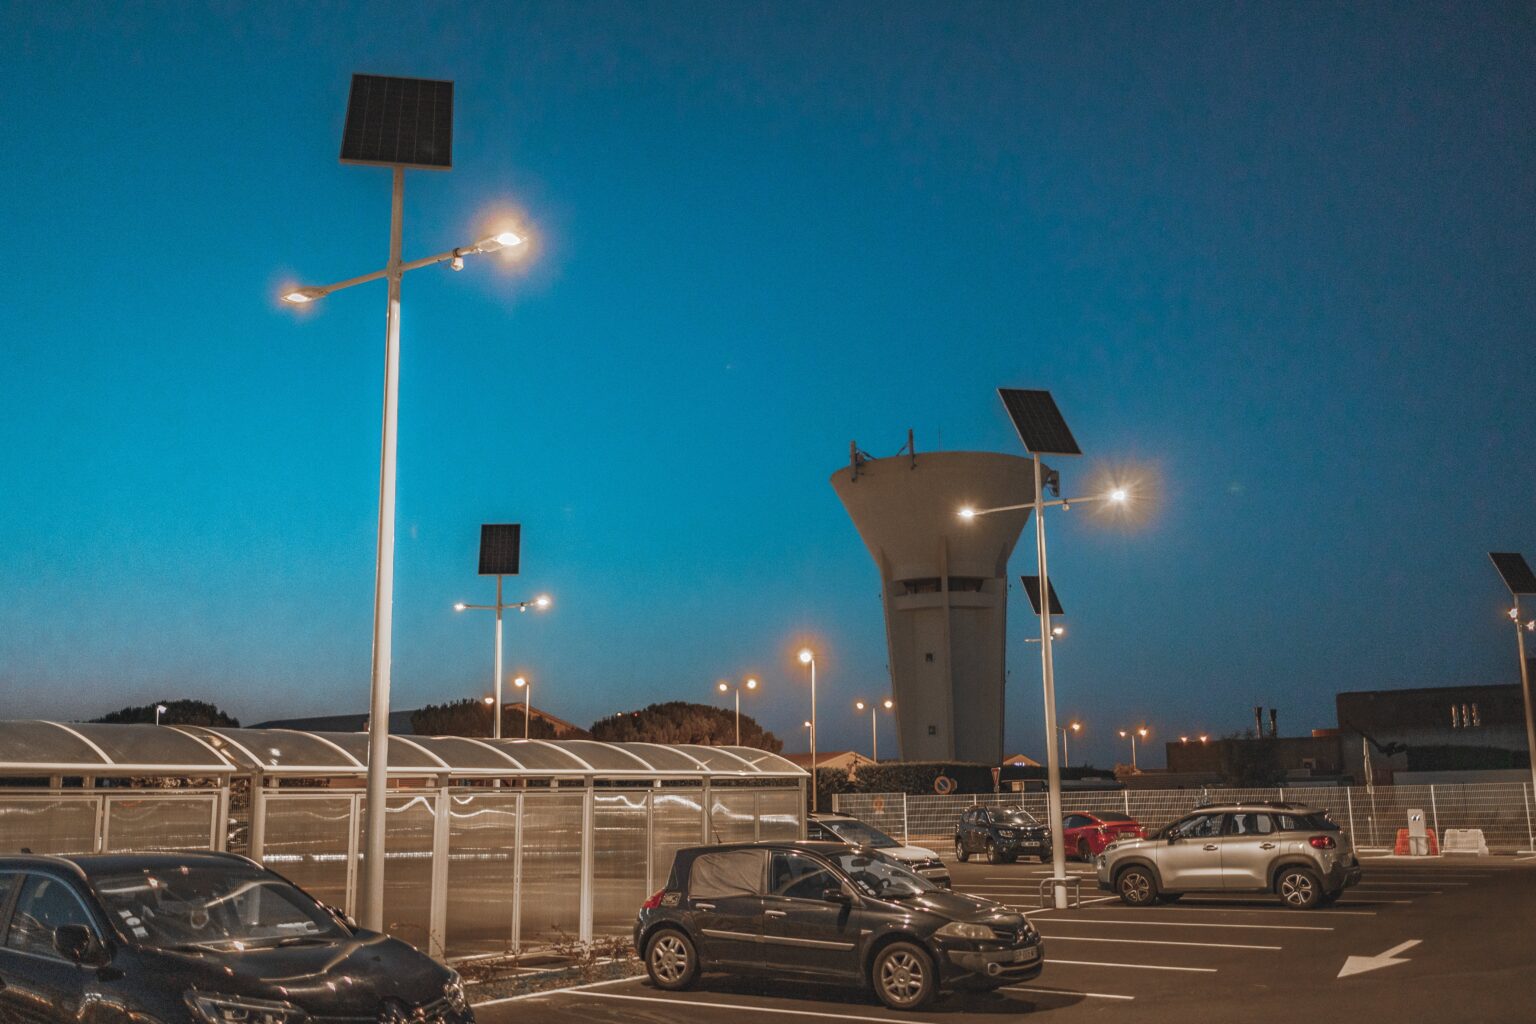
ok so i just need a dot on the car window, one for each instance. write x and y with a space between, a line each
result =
799 877
45 903
1074 821
1247 823
727 873
1201 826
859 834
813 830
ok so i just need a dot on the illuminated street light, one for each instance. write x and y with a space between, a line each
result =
874 710
1056 631
1076 727
397 139
1521 582
541 603
808 657
1142 732
724 687
527 688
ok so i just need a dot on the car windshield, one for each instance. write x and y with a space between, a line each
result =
192 907
857 833
881 876
1016 816
1116 819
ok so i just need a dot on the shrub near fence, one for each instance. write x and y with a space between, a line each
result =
1371 816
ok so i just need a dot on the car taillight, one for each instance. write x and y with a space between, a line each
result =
1322 842
654 901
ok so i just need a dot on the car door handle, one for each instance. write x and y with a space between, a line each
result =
1211 846
775 913
704 906
1266 846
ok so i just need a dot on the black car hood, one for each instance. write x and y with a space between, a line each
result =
351 977
946 903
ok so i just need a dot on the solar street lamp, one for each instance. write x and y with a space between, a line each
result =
1521 582
397 123
1044 432
724 687
874 710
500 545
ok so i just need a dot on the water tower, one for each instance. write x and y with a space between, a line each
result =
943 582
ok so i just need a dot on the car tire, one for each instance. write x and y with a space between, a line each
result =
994 855
1136 886
960 853
1299 888
903 976
671 960
1084 853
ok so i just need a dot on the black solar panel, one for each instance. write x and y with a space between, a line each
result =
1039 422
1517 574
499 546
405 121
1032 588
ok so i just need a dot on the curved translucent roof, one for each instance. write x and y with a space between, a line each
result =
34 748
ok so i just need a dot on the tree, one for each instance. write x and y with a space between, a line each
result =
470 717
681 722
177 712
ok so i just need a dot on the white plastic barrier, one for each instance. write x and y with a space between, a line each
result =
1465 840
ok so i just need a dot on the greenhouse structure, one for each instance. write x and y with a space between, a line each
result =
493 845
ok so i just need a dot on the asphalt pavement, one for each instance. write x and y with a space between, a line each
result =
1448 939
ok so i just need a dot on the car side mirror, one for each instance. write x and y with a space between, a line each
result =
74 942
342 916
1173 838
835 894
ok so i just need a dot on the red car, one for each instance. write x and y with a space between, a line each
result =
1086 833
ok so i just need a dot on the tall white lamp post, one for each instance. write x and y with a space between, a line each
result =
1521 583
541 602
724 687
808 657
527 687
874 710
396 123
1133 733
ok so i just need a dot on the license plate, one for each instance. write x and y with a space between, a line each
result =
1029 842
1024 956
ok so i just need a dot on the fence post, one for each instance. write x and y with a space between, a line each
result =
588 826
1434 816
437 905
1349 802
837 803
1126 795
256 830
1525 793
906 831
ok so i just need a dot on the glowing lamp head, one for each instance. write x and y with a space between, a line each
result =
1123 734
1119 496
499 241
1058 631
1076 726
542 601
488 701
806 657
1183 739
889 704
1204 738
858 705
967 513
1142 733
459 606
299 296
751 684
519 682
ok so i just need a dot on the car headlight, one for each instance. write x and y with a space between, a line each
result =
217 1009
453 991
1006 833
964 930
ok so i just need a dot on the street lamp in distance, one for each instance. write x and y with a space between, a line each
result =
523 684
874 710
725 687
808 657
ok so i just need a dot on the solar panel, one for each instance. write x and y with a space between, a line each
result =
1039 422
1032 588
1517 575
499 547
399 121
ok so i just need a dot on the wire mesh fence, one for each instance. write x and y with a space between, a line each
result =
1371 816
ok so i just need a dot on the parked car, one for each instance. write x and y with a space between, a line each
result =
1295 852
840 828
1086 833
198 938
1002 836
832 912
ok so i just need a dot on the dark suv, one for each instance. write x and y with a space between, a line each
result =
832 912
1001 835
198 938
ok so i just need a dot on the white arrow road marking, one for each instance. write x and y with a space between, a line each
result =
1361 964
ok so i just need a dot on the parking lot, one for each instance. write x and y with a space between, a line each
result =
1459 933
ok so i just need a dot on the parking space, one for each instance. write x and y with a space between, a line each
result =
1417 939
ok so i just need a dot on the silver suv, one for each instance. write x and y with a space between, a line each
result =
1295 852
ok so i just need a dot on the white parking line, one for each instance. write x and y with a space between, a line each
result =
1066 992
1276 909
1194 924
1156 942
1406 884
1139 967
736 1006
557 991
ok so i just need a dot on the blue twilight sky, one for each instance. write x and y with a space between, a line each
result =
1278 257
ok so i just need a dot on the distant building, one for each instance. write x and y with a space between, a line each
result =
1434 728
848 760
1300 757
1020 761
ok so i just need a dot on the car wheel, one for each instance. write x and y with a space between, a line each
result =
671 960
903 976
960 854
994 855
1299 888
1136 886
1083 852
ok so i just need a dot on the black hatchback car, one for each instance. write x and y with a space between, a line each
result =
198 938
1002 835
831 912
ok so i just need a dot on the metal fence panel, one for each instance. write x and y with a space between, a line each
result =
43 823
306 842
621 844
482 883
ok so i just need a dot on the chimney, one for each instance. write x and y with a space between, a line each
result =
1274 730
1258 721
